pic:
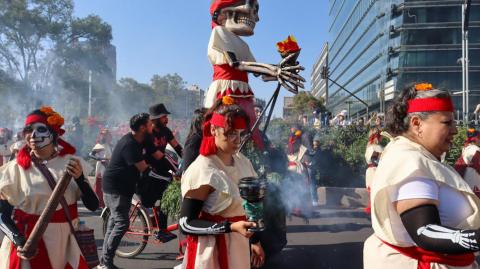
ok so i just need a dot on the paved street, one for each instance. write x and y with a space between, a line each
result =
332 239
325 242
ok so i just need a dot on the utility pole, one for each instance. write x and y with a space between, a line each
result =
325 75
89 93
465 61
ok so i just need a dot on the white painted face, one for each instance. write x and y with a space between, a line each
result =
241 19
40 135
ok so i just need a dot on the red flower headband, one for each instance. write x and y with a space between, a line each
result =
53 120
429 104
208 146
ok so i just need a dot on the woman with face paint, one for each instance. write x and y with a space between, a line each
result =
212 214
424 215
24 188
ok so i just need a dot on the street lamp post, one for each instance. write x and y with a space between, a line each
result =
89 93
465 61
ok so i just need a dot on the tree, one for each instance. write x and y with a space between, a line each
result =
305 103
28 28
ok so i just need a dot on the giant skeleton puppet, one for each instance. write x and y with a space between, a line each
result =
232 59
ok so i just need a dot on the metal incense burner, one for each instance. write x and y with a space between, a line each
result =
253 190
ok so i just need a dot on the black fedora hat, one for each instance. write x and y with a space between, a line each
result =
157 111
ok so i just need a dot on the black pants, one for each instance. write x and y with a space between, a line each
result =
154 192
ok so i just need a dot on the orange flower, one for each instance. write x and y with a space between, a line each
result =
423 87
289 45
227 100
298 133
471 130
55 120
47 110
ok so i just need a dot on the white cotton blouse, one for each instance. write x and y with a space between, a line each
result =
453 206
210 170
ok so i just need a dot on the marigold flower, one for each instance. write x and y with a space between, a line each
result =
288 45
55 120
298 133
47 110
227 100
423 87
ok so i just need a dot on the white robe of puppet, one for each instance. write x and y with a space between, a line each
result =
28 190
401 160
222 41
224 201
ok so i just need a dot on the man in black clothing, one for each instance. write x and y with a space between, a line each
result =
126 168
163 164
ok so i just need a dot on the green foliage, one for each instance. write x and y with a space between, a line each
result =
278 132
457 146
348 143
171 200
305 103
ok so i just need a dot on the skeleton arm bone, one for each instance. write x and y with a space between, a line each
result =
270 72
7 226
423 225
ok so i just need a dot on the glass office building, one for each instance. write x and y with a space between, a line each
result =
377 47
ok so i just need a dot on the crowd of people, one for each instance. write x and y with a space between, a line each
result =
430 216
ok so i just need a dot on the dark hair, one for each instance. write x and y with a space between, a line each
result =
196 124
229 112
397 119
138 120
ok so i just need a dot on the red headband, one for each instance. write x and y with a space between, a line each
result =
35 118
220 121
430 104
208 146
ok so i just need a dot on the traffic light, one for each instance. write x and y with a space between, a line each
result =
325 72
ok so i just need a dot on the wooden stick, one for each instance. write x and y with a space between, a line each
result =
30 247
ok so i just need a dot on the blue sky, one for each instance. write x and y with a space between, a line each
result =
161 37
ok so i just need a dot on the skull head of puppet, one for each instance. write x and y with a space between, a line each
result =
239 18
40 135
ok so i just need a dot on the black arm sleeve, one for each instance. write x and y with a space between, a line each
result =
179 150
423 225
89 198
190 224
7 226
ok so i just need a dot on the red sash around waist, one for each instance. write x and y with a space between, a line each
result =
221 243
25 223
425 257
226 72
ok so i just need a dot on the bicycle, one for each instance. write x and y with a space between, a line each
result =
139 231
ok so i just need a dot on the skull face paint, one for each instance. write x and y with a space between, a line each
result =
38 135
241 19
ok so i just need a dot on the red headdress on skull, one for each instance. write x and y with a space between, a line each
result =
52 119
219 4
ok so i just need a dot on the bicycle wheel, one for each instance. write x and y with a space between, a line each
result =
136 238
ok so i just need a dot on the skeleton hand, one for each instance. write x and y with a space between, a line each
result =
463 238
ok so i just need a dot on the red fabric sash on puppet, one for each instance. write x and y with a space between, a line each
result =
208 146
220 241
25 223
425 257
24 159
